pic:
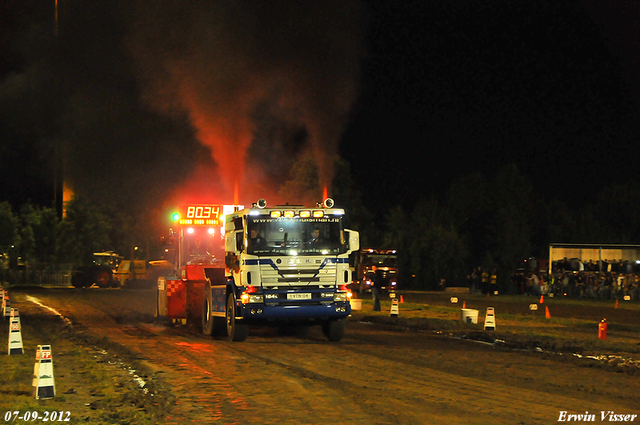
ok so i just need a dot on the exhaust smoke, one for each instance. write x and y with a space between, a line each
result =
261 82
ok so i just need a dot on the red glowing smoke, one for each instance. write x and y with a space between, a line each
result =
229 65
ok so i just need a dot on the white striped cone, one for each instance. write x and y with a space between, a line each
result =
395 312
43 380
15 334
490 320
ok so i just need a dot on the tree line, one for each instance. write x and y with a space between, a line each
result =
34 239
497 223
493 223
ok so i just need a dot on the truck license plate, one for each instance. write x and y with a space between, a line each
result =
294 296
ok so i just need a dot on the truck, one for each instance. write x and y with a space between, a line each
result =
386 259
100 272
141 273
286 264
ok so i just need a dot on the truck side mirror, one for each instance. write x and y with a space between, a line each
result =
230 242
353 241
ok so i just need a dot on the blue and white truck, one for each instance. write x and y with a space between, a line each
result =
282 264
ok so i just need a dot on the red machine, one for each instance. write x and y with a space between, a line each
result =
195 243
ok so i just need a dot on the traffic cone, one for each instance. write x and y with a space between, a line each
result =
43 382
464 304
15 334
401 299
541 299
602 329
6 305
616 303
395 312
546 313
490 320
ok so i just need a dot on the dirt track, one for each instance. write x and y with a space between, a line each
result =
372 376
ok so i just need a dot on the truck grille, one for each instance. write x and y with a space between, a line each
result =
298 275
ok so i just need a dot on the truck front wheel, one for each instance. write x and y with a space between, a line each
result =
235 331
333 329
103 278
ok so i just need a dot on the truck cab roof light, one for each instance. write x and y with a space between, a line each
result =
318 214
289 214
276 214
305 214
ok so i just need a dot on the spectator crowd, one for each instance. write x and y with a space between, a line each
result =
575 279
568 278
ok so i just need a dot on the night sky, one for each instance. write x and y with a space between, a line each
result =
413 94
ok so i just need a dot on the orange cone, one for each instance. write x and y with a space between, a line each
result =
464 304
547 314
616 303
541 299
401 299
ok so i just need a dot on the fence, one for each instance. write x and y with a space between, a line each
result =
59 276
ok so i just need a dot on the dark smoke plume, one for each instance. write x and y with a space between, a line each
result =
258 80
144 100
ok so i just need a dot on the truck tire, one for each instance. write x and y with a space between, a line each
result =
103 278
235 331
208 320
333 329
77 280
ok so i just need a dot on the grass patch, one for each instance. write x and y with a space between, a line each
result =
526 330
92 384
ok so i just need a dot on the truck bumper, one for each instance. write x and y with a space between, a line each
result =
295 312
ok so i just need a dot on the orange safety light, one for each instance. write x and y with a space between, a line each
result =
276 214
318 214
305 214
289 214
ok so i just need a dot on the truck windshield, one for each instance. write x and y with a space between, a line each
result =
381 260
295 236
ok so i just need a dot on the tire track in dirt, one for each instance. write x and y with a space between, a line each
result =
270 392
394 372
418 395
209 378
372 376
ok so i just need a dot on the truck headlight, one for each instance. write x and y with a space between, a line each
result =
340 297
252 298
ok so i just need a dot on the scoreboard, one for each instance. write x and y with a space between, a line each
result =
200 214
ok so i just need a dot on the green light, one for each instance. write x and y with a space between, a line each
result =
175 217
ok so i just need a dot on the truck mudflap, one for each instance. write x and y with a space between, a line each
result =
261 311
